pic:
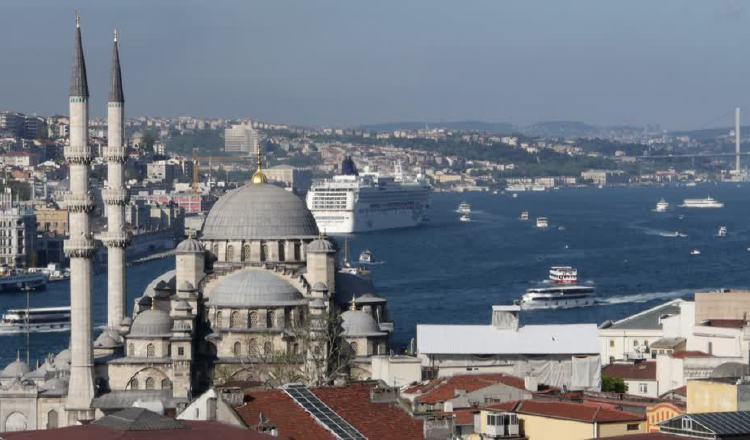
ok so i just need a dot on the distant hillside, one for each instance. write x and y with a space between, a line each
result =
478 126
577 129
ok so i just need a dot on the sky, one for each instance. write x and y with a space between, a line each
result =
680 63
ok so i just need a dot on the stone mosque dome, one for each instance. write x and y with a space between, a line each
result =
259 211
254 288
322 246
359 323
16 368
190 245
151 323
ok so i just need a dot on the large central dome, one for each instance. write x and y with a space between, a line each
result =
259 211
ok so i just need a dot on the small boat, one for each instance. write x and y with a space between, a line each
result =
722 232
365 257
524 216
39 320
695 252
674 234
542 222
515 195
347 267
662 206
464 218
464 208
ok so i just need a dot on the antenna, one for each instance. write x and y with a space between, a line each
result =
737 140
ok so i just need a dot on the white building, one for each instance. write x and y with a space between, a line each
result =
240 138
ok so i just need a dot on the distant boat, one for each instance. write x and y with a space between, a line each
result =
524 216
695 252
464 218
722 232
542 222
365 257
515 195
708 202
464 208
662 206
674 234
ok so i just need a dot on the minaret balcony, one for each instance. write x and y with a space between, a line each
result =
115 196
79 248
114 154
79 202
78 155
115 239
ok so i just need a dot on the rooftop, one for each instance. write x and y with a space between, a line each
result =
637 371
649 319
443 389
725 323
723 424
568 411
689 354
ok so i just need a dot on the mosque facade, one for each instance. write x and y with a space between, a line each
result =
257 295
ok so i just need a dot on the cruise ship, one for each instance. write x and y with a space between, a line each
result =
39 320
708 202
563 293
354 202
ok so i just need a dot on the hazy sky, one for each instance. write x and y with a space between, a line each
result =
681 63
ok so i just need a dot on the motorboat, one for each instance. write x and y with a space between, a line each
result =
542 222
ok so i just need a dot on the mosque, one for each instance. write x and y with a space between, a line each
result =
256 295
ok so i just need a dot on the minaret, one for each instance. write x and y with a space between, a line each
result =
79 247
115 196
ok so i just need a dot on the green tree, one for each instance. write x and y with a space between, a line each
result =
614 385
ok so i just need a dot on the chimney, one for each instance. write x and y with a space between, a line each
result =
505 317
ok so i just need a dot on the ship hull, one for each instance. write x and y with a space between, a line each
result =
348 222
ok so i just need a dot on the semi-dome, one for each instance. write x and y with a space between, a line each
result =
254 288
189 246
16 368
151 323
359 323
259 211
62 360
321 246
319 287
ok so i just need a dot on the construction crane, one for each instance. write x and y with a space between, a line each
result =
196 172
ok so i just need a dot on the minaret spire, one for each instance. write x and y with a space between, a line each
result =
79 86
115 93
258 176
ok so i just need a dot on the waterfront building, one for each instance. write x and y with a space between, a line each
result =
555 355
240 138
17 236
51 220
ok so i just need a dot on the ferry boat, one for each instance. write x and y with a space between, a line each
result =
365 257
464 218
40 320
463 208
524 216
354 202
708 202
722 232
662 206
347 267
16 280
695 252
564 293
542 222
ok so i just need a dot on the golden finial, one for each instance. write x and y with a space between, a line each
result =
258 176
153 303
354 303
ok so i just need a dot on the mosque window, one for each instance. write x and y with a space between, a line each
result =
246 252
218 319
230 253
216 250
52 419
282 254
354 347
252 347
131 350
150 383
237 349
166 384
316 350
297 251
263 251
181 351
134 384
295 348
253 321
267 348
234 320
150 352
270 319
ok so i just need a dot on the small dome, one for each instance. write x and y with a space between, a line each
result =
126 321
108 339
259 211
321 246
189 246
56 384
16 368
186 286
359 323
319 287
254 288
62 360
317 303
151 323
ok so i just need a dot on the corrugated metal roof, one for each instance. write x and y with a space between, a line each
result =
648 319
138 419
724 423
529 339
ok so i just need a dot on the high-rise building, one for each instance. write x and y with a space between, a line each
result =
240 138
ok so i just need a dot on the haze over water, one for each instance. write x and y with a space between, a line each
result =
452 272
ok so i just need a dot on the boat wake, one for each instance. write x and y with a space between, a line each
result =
647 297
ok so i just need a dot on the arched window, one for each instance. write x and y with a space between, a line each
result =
237 349
381 348
230 253
354 347
252 347
216 250
282 251
267 348
252 322
297 251
150 351
218 319
270 319
15 422
234 320
52 419
150 383
166 384
134 384
295 348
246 252
131 349
263 251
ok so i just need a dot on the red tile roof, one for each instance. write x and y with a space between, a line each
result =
191 431
443 389
725 323
648 436
638 371
569 411
373 420
690 354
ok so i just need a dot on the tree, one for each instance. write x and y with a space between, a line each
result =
614 385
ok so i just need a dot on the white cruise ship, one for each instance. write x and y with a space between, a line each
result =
564 293
708 202
353 202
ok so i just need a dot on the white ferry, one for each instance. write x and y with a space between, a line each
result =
463 208
524 216
662 206
542 222
39 320
564 293
708 202
354 202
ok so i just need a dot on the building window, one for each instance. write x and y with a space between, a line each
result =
282 253
253 321
643 388
180 351
635 343
216 250
237 350
354 347
52 421
295 348
134 384
267 348
611 343
218 319
269 319
263 251
150 350
316 350
633 427
297 251
246 252
230 253
150 383
252 347
234 320
131 350
166 384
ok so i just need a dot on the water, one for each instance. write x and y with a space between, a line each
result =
452 272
